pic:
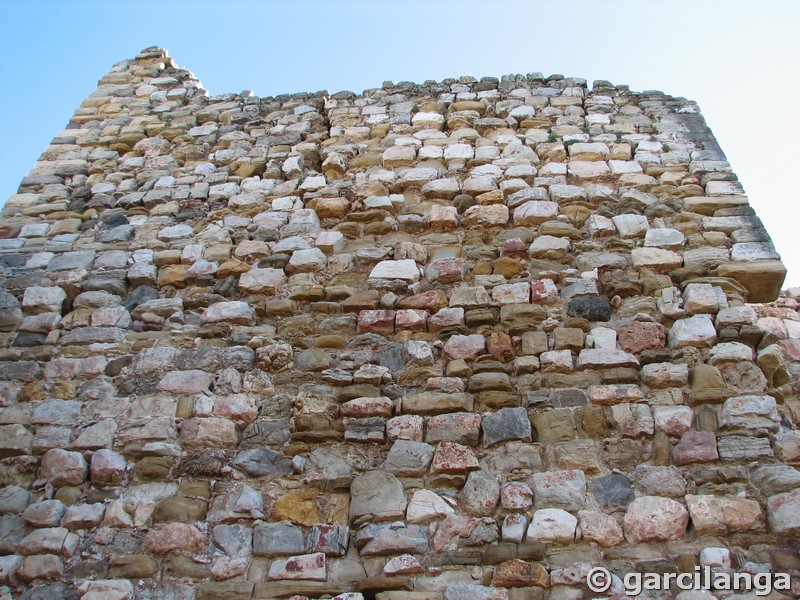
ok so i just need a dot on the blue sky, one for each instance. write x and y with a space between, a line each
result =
738 60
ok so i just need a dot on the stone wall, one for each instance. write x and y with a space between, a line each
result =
459 340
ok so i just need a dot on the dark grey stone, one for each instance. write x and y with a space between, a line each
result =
123 233
312 359
240 358
506 424
409 458
13 261
262 462
8 300
538 400
750 235
392 358
234 540
23 370
113 282
592 308
142 294
205 358
28 340
266 432
115 220
12 530
613 492
568 397
55 591
19 283
278 539
72 260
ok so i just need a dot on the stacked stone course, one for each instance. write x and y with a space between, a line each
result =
453 341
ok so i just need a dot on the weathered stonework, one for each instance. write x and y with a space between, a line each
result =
465 339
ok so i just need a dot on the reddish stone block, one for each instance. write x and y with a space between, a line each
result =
464 428
791 349
515 247
519 573
446 270
641 335
655 519
174 536
453 458
411 319
431 300
376 321
695 447
446 317
516 496
61 467
543 291
500 346
367 407
311 567
464 346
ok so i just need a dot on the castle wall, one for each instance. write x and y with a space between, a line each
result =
461 340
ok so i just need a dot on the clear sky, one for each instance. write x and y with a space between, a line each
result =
738 60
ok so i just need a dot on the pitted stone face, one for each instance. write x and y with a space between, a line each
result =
466 338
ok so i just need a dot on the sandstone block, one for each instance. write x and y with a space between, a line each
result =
61 467
174 536
654 519
552 525
377 495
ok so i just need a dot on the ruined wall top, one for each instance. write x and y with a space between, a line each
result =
459 339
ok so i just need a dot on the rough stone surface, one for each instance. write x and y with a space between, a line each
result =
377 494
720 515
552 525
650 518
591 308
783 511
480 494
426 506
560 489
277 539
457 339
506 424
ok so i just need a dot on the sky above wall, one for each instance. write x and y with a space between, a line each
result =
738 60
